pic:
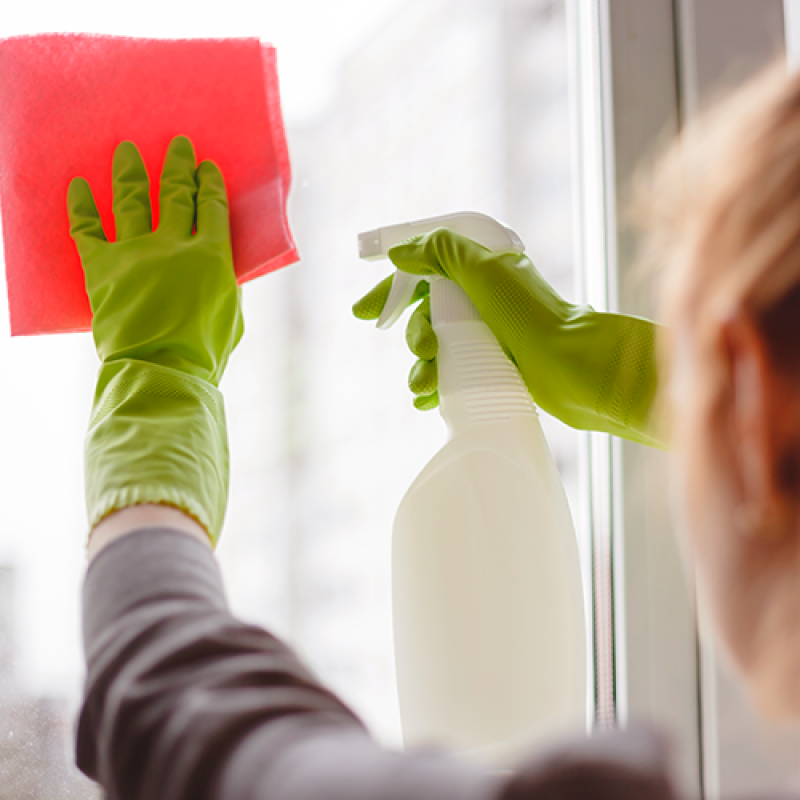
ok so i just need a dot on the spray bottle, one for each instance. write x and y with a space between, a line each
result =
487 603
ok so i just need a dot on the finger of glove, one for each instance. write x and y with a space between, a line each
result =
420 336
131 185
178 188
440 252
213 212
424 377
421 290
427 402
85 226
371 305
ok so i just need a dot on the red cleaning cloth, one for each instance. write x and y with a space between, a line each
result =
67 101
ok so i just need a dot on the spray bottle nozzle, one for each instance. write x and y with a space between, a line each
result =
375 244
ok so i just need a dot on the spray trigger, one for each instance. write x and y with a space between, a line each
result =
375 244
403 287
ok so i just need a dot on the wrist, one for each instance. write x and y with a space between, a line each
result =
156 437
126 520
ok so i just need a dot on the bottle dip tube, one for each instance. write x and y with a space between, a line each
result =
487 601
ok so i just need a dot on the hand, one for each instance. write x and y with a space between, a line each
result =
593 371
165 296
167 316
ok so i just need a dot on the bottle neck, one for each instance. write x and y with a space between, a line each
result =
477 382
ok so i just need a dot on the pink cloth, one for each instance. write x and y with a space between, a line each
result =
67 101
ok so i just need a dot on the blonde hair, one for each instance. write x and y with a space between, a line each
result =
723 216
722 223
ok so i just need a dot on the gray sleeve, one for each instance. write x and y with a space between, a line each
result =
182 701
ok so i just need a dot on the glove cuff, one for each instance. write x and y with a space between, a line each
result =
156 436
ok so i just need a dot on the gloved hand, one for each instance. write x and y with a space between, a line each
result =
166 317
593 371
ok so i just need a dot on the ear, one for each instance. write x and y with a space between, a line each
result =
765 420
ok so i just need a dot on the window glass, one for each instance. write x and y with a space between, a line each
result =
395 110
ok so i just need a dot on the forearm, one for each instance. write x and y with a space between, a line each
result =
599 372
184 701
156 436
630 383
133 518
174 682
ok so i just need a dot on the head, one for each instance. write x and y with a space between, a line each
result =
724 223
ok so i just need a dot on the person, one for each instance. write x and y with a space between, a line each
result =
184 701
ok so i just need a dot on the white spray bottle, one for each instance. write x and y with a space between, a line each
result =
488 612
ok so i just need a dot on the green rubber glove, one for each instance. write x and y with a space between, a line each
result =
593 371
167 316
